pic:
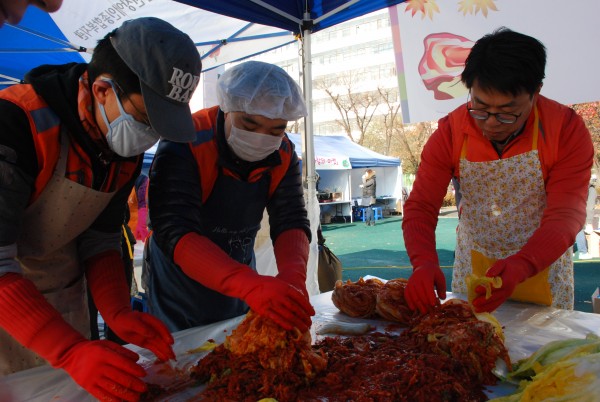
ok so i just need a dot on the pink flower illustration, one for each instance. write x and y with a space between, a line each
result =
442 64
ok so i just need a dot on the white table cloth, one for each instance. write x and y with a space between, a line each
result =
526 328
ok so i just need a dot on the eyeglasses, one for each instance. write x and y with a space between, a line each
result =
121 93
504 118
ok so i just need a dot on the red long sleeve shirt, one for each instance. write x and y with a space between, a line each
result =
566 153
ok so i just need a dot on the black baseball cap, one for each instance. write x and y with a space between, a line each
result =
168 65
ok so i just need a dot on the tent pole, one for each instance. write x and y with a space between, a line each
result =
308 159
307 138
401 174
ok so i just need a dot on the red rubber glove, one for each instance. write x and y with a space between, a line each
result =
106 370
425 285
291 253
275 299
203 261
106 279
513 270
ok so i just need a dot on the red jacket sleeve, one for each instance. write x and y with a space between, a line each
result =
423 205
567 180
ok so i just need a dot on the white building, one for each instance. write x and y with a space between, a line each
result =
359 50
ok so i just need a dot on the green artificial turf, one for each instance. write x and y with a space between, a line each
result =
379 251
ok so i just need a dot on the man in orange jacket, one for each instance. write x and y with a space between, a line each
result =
523 165
71 146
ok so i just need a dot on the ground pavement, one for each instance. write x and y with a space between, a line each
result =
379 250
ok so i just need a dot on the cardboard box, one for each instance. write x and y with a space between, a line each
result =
596 301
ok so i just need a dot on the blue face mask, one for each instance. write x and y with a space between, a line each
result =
126 136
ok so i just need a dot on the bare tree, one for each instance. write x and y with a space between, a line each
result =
383 132
356 108
295 127
412 139
392 118
340 102
364 106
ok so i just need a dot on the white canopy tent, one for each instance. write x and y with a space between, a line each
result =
71 33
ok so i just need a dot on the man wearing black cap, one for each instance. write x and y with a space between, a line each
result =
71 145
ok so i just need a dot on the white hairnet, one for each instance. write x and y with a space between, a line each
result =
260 88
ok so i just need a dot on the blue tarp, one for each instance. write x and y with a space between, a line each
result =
359 156
30 49
288 14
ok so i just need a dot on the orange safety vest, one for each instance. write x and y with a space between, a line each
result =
45 130
206 154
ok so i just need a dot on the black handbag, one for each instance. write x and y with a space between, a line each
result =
330 267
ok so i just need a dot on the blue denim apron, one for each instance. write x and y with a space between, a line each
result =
230 217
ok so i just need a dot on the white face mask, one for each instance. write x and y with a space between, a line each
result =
251 146
126 136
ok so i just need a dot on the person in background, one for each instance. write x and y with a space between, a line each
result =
580 240
369 197
523 164
206 201
72 140
12 11
138 222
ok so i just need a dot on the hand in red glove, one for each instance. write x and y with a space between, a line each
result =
106 279
419 292
143 330
203 261
106 370
513 270
275 299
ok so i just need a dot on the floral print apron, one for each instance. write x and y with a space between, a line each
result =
502 205
47 252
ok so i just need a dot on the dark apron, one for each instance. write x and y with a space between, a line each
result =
230 218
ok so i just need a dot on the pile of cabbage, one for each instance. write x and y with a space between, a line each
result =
566 370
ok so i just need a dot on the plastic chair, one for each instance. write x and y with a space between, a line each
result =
139 302
377 213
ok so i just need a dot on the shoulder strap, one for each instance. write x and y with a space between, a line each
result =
277 174
205 149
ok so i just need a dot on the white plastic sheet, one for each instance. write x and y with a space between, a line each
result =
526 328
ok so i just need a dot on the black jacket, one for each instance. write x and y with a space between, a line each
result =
175 196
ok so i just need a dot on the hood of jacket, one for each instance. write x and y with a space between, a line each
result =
58 85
